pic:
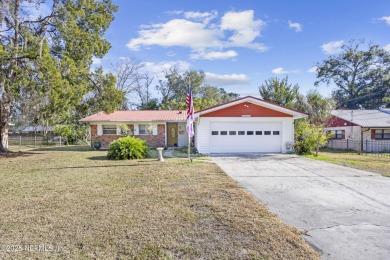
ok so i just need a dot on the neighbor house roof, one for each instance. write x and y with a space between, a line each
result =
138 115
364 118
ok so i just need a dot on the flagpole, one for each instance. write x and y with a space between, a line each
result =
189 135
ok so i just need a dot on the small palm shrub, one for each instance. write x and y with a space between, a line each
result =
127 148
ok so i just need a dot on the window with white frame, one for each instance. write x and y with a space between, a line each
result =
337 134
109 129
142 130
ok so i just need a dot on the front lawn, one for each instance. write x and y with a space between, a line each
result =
73 203
372 163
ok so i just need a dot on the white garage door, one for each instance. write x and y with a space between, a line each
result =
235 137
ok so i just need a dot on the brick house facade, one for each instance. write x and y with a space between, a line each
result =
151 126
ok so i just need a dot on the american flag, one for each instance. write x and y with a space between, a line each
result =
190 113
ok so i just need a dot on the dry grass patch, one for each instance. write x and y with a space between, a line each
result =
372 163
89 207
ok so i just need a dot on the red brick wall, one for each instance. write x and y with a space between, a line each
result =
246 108
153 140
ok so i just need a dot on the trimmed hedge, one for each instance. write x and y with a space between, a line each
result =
127 148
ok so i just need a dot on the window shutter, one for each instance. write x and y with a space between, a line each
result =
372 134
155 129
99 129
136 130
343 137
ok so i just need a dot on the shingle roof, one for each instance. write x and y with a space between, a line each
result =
365 118
138 115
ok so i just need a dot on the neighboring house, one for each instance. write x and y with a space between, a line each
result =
37 129
368 130
244 125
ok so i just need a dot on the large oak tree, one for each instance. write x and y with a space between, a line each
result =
47 49
362 76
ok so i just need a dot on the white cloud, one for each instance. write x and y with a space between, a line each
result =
281 71
205 17
177 32
332 47
312 69
387 47
245 29
194 31
160 67
220 80
96 61
296 26
386 19
214 55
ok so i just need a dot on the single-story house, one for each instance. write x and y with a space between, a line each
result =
246 124
368 130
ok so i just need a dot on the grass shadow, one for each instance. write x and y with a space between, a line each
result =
98 166
70 148
12 154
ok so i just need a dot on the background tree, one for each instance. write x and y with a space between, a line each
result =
280 91
49 54
174 90
129 76
311 133
361 76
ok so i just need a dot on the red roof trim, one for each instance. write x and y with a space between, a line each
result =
258 99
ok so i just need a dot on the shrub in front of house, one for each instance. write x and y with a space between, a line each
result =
127 148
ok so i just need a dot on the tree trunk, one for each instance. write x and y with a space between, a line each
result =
4 126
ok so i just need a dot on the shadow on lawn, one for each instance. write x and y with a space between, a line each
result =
11 154
70 148
97 166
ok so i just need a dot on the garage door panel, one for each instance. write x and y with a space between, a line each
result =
245 143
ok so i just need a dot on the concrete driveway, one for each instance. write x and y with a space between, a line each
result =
344 213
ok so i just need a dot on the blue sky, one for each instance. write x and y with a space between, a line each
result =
240 44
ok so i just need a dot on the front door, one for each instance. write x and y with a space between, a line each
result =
172 134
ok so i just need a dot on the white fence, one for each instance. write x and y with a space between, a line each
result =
35 141
367 146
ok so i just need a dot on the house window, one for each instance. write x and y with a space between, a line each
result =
382 134
276 133
249 132
241 132
337 134
259 132
267 132
232 132
109 129
214 132
142 129
223 132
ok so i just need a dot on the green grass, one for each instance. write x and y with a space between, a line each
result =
376 164
179 153
86 206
